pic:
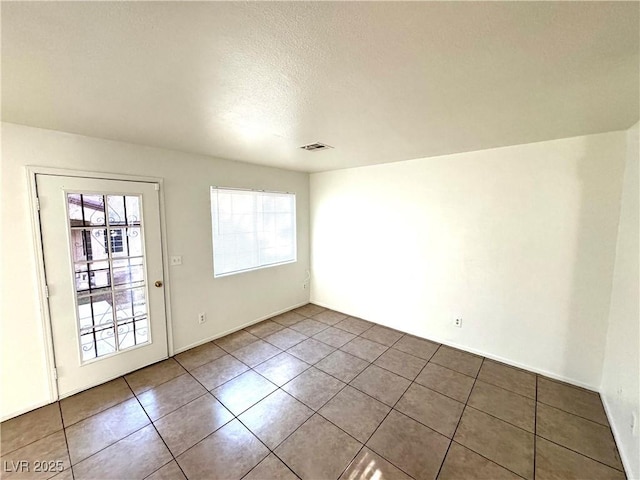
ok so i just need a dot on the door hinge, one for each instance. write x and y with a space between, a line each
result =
37 204
46 291
157 186
55 373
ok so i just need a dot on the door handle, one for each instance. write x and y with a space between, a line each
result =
158 283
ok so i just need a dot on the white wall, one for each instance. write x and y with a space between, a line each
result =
621 375
229 302
519 240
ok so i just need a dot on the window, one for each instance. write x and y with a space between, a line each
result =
251 229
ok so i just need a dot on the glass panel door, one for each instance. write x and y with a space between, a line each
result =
107 248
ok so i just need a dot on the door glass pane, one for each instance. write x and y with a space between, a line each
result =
86 210
126 242
129 272
110 284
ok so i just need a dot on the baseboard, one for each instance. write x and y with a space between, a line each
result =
522 366
235 329
626 462
491 356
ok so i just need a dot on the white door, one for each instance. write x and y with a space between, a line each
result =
103 264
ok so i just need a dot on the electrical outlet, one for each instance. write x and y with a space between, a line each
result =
202 318
305 285
457 322
176 260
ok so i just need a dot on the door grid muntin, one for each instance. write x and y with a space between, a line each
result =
110 285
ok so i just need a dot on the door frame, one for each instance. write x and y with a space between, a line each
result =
36 230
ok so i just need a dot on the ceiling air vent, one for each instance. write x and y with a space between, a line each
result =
314 147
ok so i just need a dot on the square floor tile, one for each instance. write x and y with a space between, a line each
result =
498 441
381 384
410 446
52 448
230 453
29 427
364 349
354 325
554 462
94 433
192 422
275 418
309 327
311 350
153 375
457 360
334 337
288 318
171 471
403 364
417 347
368 466
95 400
330 317
136 456
318 450
214 374
199 355
281 368
256 353
170 396
309 310
243 391
342 365
285 338
264 329
354 412
572 399
431 409
385 336
578 434
236 340
448 382
464 464
504 404
509 378
313 387
271 468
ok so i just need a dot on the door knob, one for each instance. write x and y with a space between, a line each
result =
158 283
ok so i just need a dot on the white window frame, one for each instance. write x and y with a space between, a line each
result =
218 272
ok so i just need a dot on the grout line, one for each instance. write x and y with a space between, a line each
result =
574 414
501 419
4 454
66 442
157 432
459 419
487 459
161 383
581 454
364 444
448 368
162 466
510 391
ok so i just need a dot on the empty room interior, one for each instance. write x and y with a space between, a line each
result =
320 240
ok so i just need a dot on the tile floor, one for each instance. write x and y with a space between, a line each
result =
317 395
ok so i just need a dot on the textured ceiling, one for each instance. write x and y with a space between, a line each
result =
380 82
